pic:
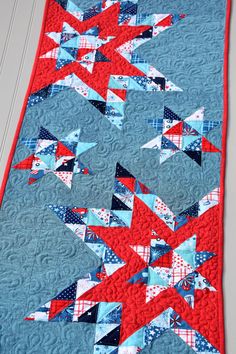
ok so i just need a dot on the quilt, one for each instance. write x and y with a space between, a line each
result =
113 194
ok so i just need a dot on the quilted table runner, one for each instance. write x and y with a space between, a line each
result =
112 199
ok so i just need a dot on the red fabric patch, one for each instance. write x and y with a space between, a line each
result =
62 150
176 129
57 306
165 22
165 261
79 210
121 93
26 164
207 146
144 189
128 182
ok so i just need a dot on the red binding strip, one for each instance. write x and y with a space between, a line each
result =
222 177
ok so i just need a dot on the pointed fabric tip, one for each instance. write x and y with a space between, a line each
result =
170 86
122 172
207 146
170 115
30 143
31 180
170 20
25 164
65 177
60 211
83 147
195 156
202 257
73 136
141 188
45 134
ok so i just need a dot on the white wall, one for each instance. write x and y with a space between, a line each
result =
20 22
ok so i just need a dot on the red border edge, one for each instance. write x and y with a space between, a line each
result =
23 110
223 174
223 162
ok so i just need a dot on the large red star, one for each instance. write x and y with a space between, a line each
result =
136 312
107 22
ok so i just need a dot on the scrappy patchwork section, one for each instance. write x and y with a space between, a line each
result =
75 47
182 135
106 316
126 188
78 221
51 155
168 320
107 319
103 39
168 268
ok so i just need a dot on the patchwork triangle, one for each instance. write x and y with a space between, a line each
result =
25 164
62 150
112 338
118 205
170 115
207 146
44 134
195 155
122 172
176 129
57 306
100 57
90 316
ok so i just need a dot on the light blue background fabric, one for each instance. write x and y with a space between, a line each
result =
39 256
